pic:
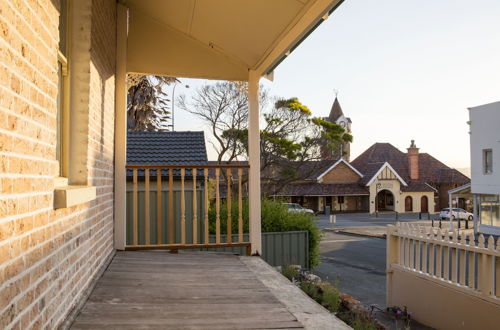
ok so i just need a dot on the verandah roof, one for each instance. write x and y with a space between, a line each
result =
217 39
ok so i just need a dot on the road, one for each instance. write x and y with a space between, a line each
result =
365 219
356 264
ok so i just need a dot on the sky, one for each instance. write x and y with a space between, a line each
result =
403 70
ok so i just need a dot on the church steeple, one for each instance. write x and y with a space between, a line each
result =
336 111
337 116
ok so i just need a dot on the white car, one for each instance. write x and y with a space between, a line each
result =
294 207
456 213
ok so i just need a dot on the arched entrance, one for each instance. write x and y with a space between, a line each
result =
424 204
408 204
385 201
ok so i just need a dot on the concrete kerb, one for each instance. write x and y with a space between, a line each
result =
358 232
307 311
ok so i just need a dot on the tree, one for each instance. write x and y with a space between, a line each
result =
224 107
148 103
290 143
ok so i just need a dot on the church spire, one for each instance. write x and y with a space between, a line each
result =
336 111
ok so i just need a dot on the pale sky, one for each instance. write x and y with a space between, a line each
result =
404 70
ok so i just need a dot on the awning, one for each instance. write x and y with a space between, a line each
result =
218 39
461 192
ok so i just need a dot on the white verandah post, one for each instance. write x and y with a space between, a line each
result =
254 162
120 128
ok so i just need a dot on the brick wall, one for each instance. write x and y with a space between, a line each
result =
341 173
47 256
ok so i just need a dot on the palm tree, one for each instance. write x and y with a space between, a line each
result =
148 103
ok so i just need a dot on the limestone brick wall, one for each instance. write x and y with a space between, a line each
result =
48 257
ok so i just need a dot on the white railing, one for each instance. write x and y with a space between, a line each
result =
465 262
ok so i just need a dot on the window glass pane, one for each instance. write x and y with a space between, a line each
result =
59 114
485 213
495 214
487 161
63 27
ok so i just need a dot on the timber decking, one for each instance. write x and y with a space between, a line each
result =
158 290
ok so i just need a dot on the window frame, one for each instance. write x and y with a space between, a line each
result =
63 97
487 165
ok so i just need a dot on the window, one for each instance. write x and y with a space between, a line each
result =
489 210
63 90
487 161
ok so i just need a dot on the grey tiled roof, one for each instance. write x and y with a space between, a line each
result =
166 148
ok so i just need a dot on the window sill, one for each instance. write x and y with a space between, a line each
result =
67 196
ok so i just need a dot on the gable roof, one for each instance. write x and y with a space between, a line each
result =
386 165
431 170
166 148
341 160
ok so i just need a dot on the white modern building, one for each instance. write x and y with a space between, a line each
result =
485 165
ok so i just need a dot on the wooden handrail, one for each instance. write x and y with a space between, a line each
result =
199 166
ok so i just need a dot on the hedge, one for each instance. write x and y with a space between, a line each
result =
275 217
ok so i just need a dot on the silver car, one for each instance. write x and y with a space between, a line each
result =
456 213
294 207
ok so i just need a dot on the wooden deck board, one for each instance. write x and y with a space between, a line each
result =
158 290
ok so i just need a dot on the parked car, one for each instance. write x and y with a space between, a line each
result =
294 207
456 214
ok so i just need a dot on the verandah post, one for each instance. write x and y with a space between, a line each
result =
254 161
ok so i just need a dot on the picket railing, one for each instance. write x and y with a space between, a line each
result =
468 262
175 185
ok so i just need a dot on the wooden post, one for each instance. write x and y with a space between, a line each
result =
183 208
120 129
393 254
195 210
146 207
254 161
135 221
217 206
431 259
240 207
171 225
159 228
205 172
228 200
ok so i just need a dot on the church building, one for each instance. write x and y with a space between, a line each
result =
382 178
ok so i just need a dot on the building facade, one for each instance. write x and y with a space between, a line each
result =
485 165
382 178
53 241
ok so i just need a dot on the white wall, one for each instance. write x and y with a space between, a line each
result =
485 134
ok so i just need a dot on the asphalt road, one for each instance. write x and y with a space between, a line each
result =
365 219
356 264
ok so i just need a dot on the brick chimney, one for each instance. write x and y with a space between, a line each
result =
413 160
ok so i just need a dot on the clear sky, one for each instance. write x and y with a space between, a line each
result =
403 70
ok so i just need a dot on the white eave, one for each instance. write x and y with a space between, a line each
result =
386 164
341 160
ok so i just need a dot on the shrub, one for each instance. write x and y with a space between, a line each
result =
331 297
289 272
275 217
